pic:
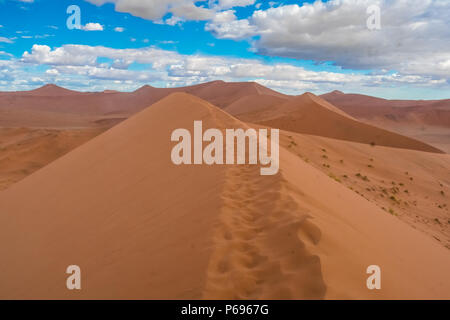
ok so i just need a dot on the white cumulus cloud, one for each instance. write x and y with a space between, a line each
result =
92 26
157 9
414 35
227 4
170 67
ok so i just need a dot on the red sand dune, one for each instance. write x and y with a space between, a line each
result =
49 90
419 112
222 94
119 208
254 102
312 115
427 121
219 93
55 107
52 106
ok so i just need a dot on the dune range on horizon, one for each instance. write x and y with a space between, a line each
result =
88 179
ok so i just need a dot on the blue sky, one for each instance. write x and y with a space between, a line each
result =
290 46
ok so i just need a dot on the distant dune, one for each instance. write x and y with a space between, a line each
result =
49 90
312 115
60 110
219 93
420 112
222 94
428 121
53 106
120 209
254 102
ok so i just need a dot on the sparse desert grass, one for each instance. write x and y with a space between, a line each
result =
391 189
393 198
391 211
395 190
332 176
365 178
292 143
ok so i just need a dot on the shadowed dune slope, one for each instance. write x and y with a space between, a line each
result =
141 227
312 115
